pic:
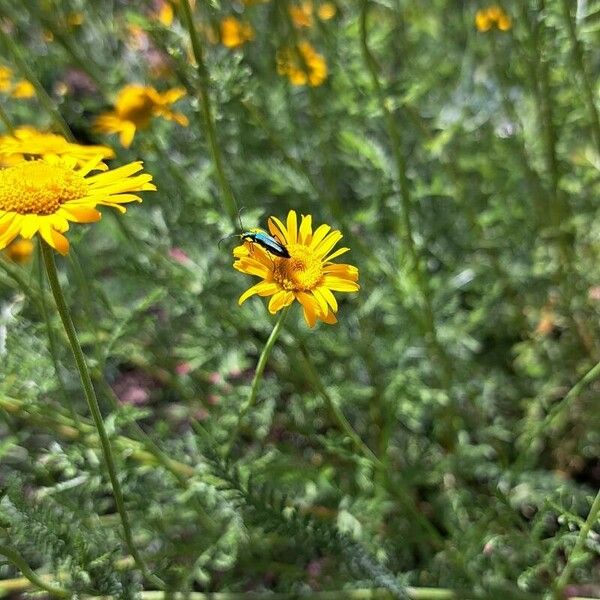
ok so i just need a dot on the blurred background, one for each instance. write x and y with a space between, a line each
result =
456 145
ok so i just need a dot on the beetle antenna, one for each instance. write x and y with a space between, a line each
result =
226 238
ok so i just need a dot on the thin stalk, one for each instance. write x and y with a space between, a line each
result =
5 119
205 105
592 519
41 94
52 346
260 367
399 490
336 412
405 228
92 401
582 67
19 562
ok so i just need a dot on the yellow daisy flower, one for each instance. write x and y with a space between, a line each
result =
308 276
327 11
491 17
19 251
28 141
302 65
5 79
42 196
135 106
301 14
235 33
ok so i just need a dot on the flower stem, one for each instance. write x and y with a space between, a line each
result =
90 396
19 562
205 104
41 93
405 224
591 520
260 367
584 72
5 119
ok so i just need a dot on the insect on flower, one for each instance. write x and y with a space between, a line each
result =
264 240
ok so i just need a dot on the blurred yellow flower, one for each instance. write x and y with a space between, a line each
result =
235 33
19 251
308 276
42 196
27 141
492 17
75 19
164 13
327 11
135 106
302 64
5 79
301 14
23 89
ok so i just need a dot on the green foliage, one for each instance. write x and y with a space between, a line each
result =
478 309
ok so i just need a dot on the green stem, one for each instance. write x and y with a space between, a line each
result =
205 104
52 346
335 411
5 119
19 562
584 72
41 93
260 367
405 229
92 401
592 519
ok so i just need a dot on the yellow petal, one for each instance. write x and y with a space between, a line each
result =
305 230
309 306
54 239
81 214
292 227
319 234
277 229
279 300
337 284
328 243
264 288
329 297
335 254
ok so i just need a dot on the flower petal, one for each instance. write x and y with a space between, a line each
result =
337 284
80 214
279 300
278 230
263 288
54 239
309 306
292 227
335 254
328 243
329 297
320 233
305 230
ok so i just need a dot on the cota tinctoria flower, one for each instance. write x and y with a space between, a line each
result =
302 14
43 196
235 33
17 89
492 17
302 64
19 251
309 275
31 143
135 107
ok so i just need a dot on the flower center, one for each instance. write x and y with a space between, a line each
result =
301 272
38 187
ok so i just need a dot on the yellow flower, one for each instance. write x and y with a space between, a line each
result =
164 13
75 19
135 106
5 79
23 89
302 65
301 14
19 251
327 11
490 17
234 33
27 141
308 275
42 196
